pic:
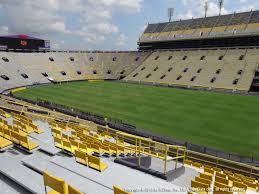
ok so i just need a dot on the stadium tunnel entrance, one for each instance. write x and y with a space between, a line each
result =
255 83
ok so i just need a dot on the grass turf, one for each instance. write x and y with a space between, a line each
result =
222 121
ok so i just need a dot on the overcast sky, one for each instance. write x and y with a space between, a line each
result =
99 24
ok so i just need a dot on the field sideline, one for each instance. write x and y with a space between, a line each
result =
222 121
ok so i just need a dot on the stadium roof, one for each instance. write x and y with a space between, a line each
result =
208 22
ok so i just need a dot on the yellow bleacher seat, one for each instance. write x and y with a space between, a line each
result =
4 143
56 132
7 134
3 122
26 143
188 162
105 149
239 185
221 180
82 147
56 184
58 142
208 171
65 137
251 186
95 163
202 180
221 187
1 131
217 169
207 166
96 148
222 192
113 149
81 157
35 128
120 150
201 188
206 176
118 190
4 114
67 146
249 179
72 190
22 127
17 130
197 164
233 178
74 144
221 175
15 137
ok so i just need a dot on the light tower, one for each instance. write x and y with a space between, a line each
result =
206 8
170 13
221 2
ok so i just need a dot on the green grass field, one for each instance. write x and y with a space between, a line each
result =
222 121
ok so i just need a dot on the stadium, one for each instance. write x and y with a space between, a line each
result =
179 115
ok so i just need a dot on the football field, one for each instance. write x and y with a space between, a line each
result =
222 121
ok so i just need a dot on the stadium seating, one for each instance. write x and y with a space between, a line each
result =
230 24
118 190
4 114
58 185
231 69
191 68
222 181
95 163
82 147
4 142
200 187
36 68
89 160
72 190
18 137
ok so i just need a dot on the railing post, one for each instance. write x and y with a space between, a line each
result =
116 145
165 159
139 162
176 161
136 145
184 154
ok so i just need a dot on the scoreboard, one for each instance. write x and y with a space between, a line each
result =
23 42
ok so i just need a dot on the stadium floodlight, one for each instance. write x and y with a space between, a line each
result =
221 2
206 8
170 13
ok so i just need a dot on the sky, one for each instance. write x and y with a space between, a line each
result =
100 24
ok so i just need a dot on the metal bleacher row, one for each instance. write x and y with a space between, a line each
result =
57 185
17 134
22 69
220 181
221 69
229 25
